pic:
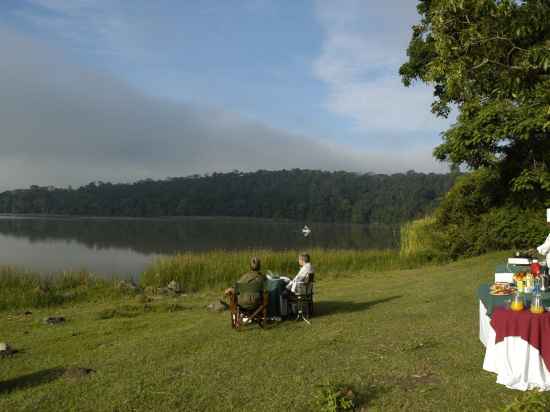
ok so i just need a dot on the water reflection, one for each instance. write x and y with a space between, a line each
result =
126 246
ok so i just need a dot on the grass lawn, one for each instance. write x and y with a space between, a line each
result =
403 340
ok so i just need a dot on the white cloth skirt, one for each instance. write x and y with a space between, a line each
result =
518 365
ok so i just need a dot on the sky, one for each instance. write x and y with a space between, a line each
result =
122 90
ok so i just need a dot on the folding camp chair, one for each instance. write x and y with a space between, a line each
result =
258 313
302 298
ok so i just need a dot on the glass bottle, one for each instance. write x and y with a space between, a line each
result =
529 283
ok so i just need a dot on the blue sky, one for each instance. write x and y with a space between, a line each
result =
318 77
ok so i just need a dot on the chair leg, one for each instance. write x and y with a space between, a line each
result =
237 318
233 310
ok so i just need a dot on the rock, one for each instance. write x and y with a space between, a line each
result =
219 306
127 285
6 350
53 320
174 286
4 347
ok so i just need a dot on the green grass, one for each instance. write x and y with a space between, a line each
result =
214 269
401 339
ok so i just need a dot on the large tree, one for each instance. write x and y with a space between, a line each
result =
490 61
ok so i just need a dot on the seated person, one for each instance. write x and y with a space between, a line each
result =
251 284
303 275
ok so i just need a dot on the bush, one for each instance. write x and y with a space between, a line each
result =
475 217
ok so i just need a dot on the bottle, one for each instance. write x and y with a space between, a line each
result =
529 283
520 284
536 285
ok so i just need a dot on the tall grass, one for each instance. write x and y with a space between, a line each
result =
214 269
25 289
419 238
195 271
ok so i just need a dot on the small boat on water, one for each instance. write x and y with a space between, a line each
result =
306 231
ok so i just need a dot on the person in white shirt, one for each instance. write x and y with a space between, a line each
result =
544 249
303 275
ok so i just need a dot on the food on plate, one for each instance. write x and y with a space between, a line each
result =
520 276
501 289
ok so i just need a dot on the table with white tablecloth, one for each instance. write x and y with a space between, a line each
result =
517 344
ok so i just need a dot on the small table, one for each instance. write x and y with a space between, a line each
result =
517 343
275 288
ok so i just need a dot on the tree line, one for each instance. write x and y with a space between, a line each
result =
307 195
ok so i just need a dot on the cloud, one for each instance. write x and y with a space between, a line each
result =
66 125
364 45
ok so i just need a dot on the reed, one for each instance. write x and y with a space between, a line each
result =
20 288
195 271
215 269
419 238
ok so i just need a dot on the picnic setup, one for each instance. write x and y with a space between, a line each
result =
514 324
258 298
514 320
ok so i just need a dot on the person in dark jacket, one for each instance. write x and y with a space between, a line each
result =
251 284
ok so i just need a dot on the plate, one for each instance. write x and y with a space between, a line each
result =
502 293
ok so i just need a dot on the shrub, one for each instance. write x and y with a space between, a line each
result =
336 398
477 216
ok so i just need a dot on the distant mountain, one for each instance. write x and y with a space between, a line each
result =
306 195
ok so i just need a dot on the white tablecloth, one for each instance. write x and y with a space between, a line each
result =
518 365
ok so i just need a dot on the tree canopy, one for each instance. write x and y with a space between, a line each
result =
290 194
490 61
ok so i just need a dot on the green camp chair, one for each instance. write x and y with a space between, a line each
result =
248 301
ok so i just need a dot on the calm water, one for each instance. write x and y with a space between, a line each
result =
124 247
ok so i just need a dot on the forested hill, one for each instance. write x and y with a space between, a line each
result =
292 194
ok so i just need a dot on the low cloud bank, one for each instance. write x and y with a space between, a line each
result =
63 125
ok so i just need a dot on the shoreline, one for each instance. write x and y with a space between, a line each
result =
194 271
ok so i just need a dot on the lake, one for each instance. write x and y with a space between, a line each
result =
124 247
